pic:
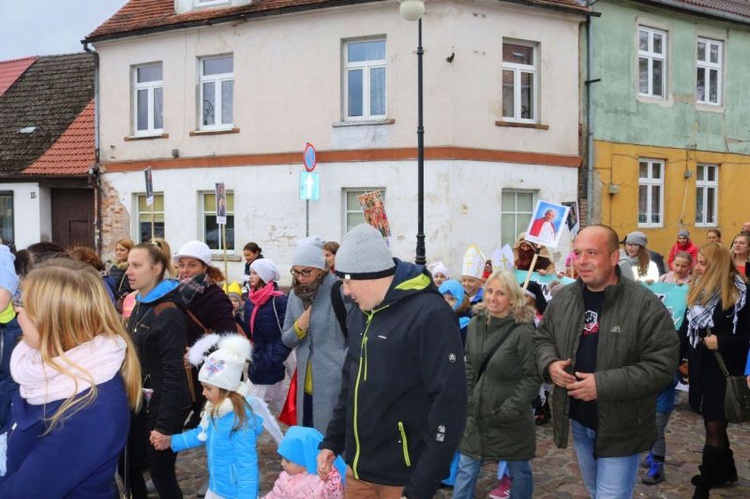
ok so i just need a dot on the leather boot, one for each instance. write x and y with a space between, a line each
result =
728 468
710 471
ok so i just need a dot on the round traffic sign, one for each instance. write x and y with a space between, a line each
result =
310 158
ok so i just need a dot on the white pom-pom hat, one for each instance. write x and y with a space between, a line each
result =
224 366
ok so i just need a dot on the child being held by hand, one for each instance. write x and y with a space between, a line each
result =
300 480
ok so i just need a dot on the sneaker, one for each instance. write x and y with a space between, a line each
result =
655 474
648 460
502 491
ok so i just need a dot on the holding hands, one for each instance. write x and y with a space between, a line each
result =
159 441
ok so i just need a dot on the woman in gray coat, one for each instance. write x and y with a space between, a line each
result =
311 327
502 382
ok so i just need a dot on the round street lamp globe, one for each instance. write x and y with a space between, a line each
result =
411 10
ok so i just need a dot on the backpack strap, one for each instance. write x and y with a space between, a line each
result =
338 306
492 352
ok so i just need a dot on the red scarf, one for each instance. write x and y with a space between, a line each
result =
259 297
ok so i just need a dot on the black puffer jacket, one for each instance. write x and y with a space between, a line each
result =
157 327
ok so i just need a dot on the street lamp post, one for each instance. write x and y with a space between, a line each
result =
413 10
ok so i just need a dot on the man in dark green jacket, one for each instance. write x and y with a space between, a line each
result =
402 406
609 346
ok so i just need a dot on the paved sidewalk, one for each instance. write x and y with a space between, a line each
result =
555 471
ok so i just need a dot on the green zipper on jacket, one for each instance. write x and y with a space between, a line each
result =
404 444
363 354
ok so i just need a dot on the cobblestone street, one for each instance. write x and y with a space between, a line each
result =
555 470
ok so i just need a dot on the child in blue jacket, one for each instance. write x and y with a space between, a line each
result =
229 426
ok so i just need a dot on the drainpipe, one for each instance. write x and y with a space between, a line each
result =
94 170
589 116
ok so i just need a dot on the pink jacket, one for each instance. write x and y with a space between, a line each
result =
307 486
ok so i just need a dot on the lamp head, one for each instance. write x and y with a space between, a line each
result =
411 10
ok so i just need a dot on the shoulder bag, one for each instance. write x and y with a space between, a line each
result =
736 395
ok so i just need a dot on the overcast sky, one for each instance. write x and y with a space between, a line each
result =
46 27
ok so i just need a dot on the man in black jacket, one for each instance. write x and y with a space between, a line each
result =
402 406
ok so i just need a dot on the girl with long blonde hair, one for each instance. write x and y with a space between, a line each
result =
76 367
716 331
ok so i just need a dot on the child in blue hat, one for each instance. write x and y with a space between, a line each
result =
299 478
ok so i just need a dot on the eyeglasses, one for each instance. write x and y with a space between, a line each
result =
17 301
303 273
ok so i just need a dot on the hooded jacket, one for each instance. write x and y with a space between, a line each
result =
637 354
158 332
402 407
500 424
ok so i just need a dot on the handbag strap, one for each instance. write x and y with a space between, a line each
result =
492 352
722 365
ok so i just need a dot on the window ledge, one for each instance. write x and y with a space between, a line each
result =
218 256
341 124
517 124
214 132
147 137
709 108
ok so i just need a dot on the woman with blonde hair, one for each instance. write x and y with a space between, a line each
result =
715 332
116 271
740 249
635 261
502 382
76 368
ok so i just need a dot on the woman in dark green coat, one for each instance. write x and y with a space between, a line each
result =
502 382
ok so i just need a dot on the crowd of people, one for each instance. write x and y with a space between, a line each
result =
394 378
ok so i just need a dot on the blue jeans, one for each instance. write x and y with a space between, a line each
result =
522 485
604 477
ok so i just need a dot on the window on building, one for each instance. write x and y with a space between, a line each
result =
516 210
145 218
652 62
708 79
148 92
364 75
212 233
706 195
353 214
217 92
650 193
520 81
7 234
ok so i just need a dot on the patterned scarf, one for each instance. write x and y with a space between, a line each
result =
701 316
191 287
306 292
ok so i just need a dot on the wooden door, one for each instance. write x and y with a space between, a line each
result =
73 217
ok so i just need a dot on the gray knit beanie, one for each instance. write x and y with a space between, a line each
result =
309 253
637 237
364 254
683 233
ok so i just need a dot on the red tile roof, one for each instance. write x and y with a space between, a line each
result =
10 71
159 15
73 152
739 10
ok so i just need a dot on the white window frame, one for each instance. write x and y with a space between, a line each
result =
366 67
217 80
709 67
704 186
209 209
649 182
509 236
356 209
518 70
145 216
150 87
652 56
204 3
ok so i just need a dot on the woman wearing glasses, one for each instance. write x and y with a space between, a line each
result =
311 326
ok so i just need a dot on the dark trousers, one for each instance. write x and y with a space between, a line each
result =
142 455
